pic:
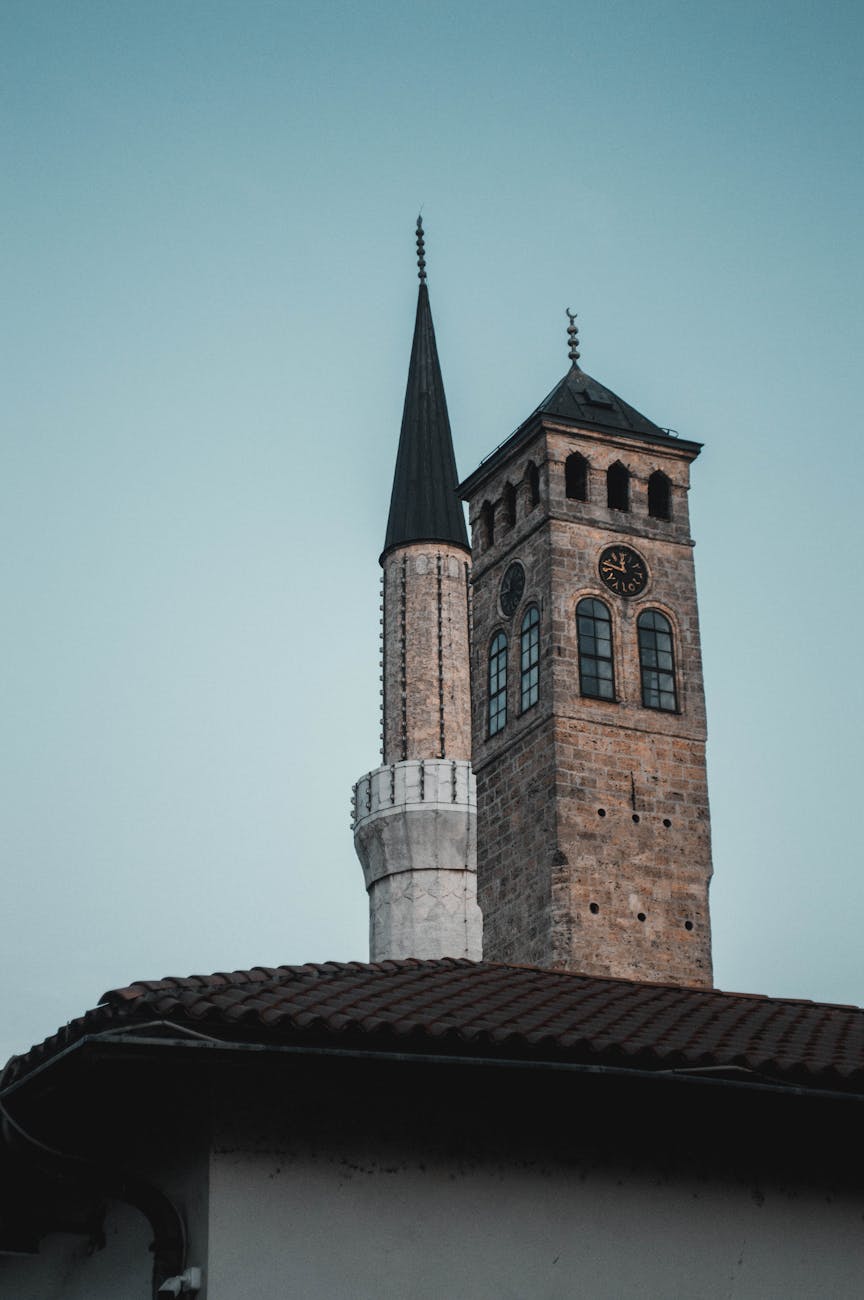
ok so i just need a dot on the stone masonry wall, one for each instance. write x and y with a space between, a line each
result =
426 686
593 823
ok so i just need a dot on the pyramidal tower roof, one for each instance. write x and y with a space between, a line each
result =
582 400
424 503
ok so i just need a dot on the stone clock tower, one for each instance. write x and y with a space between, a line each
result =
588 717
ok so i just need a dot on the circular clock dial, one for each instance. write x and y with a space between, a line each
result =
623 570
512 587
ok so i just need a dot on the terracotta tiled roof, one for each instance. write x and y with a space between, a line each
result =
493 1010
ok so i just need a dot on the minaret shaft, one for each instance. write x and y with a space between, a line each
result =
427 694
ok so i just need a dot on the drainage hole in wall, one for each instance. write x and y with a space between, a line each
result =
666 822
636 818
640 916
594 908
688 925
601 812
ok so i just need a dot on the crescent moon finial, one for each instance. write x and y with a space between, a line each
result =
572 337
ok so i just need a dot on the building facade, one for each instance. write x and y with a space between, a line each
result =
411 1130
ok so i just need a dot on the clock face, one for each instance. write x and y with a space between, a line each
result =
623 570
512 587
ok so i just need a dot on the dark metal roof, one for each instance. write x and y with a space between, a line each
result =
491 1010
424 504
582 401
579 399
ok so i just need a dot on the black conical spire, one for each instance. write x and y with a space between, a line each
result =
424 505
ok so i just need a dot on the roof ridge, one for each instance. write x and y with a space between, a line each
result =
138 988
394 966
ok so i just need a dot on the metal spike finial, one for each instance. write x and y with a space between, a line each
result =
421 252
572 337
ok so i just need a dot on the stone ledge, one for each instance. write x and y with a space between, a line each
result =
426 783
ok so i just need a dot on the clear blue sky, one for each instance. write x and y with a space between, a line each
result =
208 295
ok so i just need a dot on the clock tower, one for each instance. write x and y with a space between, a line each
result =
594 849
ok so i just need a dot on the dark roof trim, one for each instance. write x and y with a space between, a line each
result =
130 1042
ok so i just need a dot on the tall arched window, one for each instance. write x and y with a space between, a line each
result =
596 674
529 659
659 496
618 487
509 496
487 517
497 683
576 477
532 475
657 661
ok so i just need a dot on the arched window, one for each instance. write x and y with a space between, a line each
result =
657 661
596 675
532 475
576 477
659 496
529 659
618 487
509 504
497 683
487 518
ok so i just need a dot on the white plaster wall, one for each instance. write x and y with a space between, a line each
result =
64 1268
424 914
360 1227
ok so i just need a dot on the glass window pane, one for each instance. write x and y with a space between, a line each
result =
529 657
657 661
497 678
594 625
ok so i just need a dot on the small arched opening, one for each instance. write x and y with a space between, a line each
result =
487 524
618 487
576 477
509 498
659 496
532 478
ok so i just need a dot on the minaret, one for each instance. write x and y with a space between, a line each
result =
589 715
415 817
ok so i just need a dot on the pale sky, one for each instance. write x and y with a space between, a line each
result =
208 296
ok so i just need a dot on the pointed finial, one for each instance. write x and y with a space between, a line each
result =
572 337
421 252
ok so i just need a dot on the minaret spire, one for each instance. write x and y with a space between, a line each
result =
424 503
